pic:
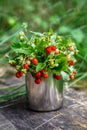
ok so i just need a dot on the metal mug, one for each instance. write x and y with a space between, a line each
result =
46 96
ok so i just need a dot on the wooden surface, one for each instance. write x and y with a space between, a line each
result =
14 115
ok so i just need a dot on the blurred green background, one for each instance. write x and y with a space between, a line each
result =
66 17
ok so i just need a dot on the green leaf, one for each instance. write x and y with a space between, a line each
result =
24 51
65 76
40 66
56 71
22 48
60 59
15 45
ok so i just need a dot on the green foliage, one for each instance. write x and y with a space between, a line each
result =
40 66
22 48
66 17
43 51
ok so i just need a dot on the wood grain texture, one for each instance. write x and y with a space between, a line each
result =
14 114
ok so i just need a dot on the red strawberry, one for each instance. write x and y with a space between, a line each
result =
71 62
53 48
45 75
25 66
34 61
38 75
37 81
58 77
43 71
71 76
48 50
19 74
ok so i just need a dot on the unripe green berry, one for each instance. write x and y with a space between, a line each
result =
21 38
51 62
17 67
12 62
21 59
24 70
76 52
59 38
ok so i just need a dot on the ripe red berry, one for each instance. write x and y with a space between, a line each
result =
53 48
43 71
45 75
38 75
48 50
58 77
72 76
25 66
19 74
37 81
71 62
34 61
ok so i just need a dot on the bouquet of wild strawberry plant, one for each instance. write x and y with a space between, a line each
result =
42 54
